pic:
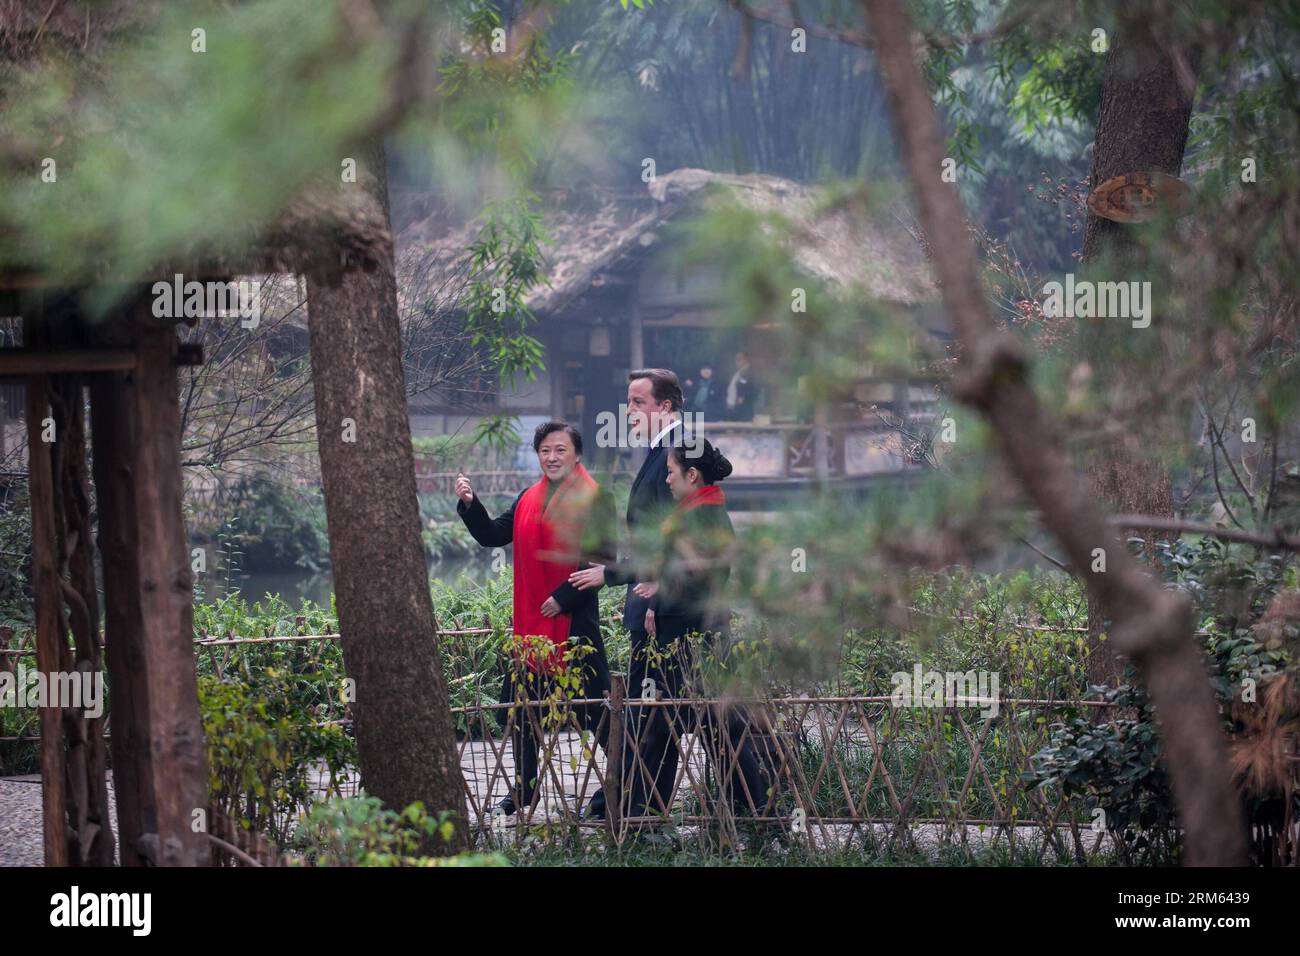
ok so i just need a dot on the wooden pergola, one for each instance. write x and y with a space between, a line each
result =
126 367
123 454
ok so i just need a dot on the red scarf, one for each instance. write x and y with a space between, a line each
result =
703 495
547 539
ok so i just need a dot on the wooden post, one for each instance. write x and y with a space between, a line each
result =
112 434
166 588
158 757
49 621
636 335
90 834
821 444
614 757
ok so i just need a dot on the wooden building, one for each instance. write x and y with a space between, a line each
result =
618 298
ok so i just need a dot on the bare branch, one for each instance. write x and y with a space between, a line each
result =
1277 539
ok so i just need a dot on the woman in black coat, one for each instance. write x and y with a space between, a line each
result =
691 580
560 524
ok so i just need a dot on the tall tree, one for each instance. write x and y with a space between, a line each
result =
1152 625
405 738
1146 105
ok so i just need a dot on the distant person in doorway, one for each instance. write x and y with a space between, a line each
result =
740 392
706 394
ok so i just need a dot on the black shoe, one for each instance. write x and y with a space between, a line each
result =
595 810
507 806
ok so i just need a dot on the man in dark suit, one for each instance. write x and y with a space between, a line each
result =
654 403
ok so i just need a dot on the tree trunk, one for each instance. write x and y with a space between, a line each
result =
1128 485
1146 104
404 730
1142 126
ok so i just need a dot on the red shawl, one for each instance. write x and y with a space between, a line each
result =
547 539
703 495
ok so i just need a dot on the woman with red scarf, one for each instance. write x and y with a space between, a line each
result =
555 526
691 580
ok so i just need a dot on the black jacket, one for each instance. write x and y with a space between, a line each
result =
696 566
597 548
693 570
649 502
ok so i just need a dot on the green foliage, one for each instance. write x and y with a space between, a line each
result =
15 561
474 664
310 674
1115 767
235 616
505 265
1025 625
667 83
1018 106
140 125
360 831
483 97
279 526
263 749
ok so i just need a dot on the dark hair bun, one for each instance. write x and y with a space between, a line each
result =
717 464
712 464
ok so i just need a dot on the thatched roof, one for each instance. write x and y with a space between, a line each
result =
840 243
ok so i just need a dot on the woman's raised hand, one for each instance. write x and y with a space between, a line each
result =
464 490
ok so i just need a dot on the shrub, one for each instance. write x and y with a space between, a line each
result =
264 749
359 831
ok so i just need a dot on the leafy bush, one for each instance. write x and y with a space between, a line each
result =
264 750
15 557
1117 767
474 664
276 526
359 831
